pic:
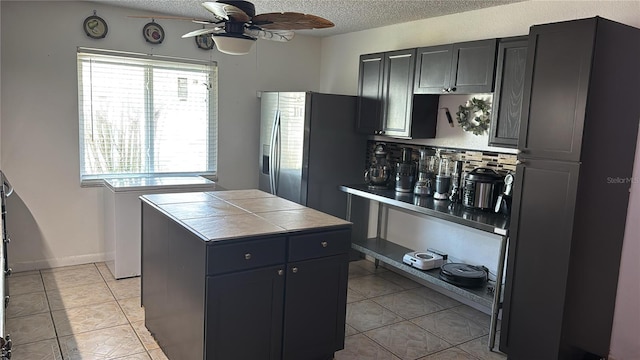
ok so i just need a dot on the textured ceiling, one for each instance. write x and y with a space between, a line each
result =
347 15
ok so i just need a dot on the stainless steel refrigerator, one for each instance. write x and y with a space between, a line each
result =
308 147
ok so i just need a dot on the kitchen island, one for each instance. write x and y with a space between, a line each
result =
243 274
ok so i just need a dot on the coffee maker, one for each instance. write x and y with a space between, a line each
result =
426 173
405 172
379 174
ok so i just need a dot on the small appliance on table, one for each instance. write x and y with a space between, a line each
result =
378 175
423 260
405 172
482 188
464 275
426 173
443 180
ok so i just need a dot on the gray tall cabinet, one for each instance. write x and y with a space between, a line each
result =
577 141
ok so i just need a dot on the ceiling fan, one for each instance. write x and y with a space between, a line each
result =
236 26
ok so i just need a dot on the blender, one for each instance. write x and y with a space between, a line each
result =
426 175
443 180
405 172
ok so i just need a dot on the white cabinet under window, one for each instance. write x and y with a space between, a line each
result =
122 224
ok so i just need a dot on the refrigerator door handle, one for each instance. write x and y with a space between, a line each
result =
272 153
277 153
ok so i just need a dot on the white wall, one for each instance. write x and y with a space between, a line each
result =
340 74
53 220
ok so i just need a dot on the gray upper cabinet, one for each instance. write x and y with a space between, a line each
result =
369 119
397 92
461 68
433 69
555 96
508 95
387 105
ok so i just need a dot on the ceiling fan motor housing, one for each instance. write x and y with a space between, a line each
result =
234 27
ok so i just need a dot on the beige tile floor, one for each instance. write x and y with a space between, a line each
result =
82 313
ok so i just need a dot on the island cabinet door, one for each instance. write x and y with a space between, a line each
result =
314 318
244 315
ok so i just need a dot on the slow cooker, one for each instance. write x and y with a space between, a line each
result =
482 186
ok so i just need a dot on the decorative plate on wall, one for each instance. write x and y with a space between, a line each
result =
95 27
153 33
205 41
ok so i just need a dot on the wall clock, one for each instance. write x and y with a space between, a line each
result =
205 41
153 33
95 27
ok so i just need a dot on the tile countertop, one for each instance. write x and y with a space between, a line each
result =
225 215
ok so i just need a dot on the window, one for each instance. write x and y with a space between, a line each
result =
142 115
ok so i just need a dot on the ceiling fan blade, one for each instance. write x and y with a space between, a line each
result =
206 22
290 21
201 32
164 17
275 35
226 12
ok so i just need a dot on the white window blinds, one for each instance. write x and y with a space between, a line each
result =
142 115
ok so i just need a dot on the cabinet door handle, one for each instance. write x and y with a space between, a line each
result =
247 256
294 270
324 244
280 272
444 90
451 89
381 132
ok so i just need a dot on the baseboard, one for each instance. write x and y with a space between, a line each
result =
57 262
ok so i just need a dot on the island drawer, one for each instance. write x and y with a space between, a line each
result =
245 255
319 244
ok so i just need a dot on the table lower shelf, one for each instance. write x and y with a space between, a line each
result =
391 253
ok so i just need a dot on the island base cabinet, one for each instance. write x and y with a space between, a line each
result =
314 318
173 260
265 297
244 315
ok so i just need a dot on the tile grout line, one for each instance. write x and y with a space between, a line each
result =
452 345
389 350
55 329
146 351
50 311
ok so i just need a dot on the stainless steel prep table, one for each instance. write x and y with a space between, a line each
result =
388 252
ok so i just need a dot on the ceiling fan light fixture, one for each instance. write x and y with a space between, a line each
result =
233 44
